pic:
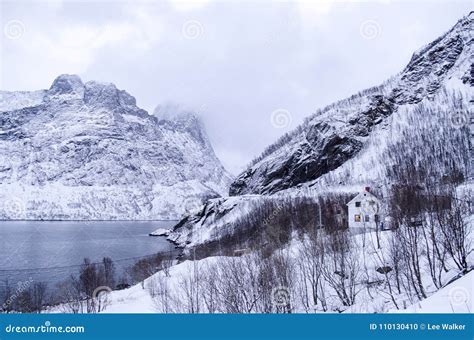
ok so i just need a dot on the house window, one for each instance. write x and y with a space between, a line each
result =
357 218
366 218
357 204
377 219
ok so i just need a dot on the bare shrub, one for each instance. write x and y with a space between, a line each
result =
342 267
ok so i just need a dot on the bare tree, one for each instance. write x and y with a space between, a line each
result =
161 294
70 294
6 295
38 294
381 259
31 299
166 263
342 267
407 210
108 273
145 268
396 257
189 297
311 262
210 288
455 230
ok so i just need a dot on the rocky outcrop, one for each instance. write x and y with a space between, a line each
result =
337 133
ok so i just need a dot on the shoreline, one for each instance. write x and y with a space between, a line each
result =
15 220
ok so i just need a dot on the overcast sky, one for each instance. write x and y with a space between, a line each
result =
253 69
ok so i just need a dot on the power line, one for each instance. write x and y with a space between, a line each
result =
80 265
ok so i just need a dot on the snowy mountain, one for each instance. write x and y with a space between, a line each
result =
86 151
420 115
339 132
212 221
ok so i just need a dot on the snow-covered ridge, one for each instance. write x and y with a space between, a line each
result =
340 131
212 221
86 151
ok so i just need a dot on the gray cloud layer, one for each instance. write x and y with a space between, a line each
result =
234 62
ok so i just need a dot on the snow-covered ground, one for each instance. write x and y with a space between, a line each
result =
160 232
456 297
171 291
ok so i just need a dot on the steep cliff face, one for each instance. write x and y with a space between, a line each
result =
86 151
337 133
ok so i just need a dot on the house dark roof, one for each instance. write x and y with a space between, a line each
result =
361 196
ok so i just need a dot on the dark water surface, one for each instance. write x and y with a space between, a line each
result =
52 251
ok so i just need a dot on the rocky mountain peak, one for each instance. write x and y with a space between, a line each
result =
93 94
105 95
87 151
66 84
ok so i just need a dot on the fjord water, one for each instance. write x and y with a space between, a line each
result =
52 251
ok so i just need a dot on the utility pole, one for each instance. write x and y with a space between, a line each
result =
376 218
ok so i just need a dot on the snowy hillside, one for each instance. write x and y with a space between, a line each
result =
213 220
419 116
455 297
222 284
345 130
86 151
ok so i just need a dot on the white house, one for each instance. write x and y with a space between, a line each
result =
364 211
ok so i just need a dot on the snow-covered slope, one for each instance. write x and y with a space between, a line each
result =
339 132
86 151
212 220
166 291
422 112
455 297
